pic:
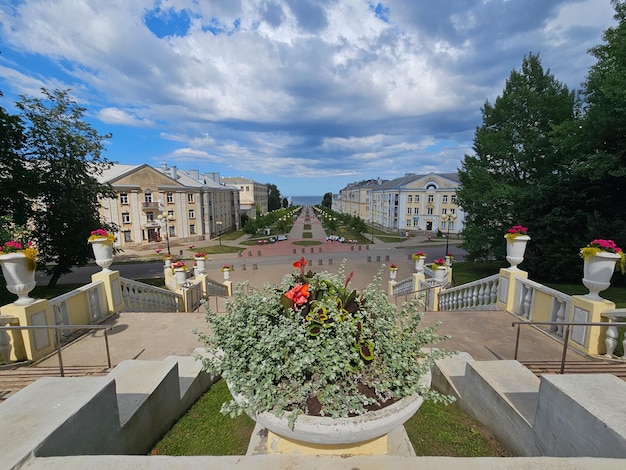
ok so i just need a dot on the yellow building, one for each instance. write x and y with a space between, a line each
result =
253 196
418 203
354 199
153 205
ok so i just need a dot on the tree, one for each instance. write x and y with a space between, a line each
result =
66 154
513 153
273 197
327 200
17 183
285 203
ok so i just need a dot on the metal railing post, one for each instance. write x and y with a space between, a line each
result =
565 341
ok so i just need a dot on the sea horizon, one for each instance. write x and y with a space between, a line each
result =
306 200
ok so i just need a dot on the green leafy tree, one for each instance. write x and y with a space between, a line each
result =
273 197
285 203
327 200
67 155
513 153
17 178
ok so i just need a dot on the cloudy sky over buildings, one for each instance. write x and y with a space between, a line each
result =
305 94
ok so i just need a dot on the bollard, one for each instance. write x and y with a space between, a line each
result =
239 254
409 256
312 250
369 259
244 266
294 251
378 258
330 261
359 247
303 250
351 247
258 253
310 262
387 258
319 249
319 262
367 247
254 266
249 252
181 253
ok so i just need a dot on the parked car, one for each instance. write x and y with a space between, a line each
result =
281 237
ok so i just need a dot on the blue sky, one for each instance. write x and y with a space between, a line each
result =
306 94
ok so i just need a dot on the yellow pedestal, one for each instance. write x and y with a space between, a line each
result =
506 294
586 310
281 445
30 344
113 289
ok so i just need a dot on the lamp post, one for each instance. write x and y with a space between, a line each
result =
219 224
372 227
449 218
164 219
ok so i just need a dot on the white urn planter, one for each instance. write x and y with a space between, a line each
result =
515 249
419 264
597 273
226 274
392 274
440 273
20 281
168 262
448 260
323 430
200 264
181 275
103 253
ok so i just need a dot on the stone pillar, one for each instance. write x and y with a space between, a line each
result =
507 291
30 344
112 288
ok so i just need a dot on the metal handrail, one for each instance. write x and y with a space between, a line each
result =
418 291
57 339
567 324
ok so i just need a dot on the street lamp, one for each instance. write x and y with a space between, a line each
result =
372 227
164 219
449 219
219 224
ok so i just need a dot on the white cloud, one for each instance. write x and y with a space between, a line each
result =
119 116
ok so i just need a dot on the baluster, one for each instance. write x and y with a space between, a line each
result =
527 296
494 292
474 296
481 294
611 339
560 317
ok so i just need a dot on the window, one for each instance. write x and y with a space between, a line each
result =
170 198
453 198
408 211
125 217
445 198
127 237
123 198
443 225
416 210
451 225
171 231
170 212
410 198
452 211
417 198
430 211
190 197
147 197
408 222
444 211
192 229
431 198
192 214
150 216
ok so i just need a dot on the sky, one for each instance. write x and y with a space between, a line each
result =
309 95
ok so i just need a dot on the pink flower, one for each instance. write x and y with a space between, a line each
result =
299 294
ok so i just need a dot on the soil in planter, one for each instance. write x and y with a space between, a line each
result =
314 406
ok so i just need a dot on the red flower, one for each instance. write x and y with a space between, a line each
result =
299 294
300 264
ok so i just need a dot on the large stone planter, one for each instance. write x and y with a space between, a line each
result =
393 274
181 276
20 281
419 264
200 264
226 274
597 273
515 249
440 273
103 253
322 430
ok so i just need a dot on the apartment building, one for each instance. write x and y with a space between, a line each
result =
253 197
412 203
153 205
354 199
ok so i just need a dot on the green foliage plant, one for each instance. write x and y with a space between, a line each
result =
313 339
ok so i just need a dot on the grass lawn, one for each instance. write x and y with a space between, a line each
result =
435 429
307 243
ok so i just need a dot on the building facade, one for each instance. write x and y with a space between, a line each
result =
253 196
354 199
154 205
418 203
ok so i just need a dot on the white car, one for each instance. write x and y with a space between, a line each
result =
281 237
